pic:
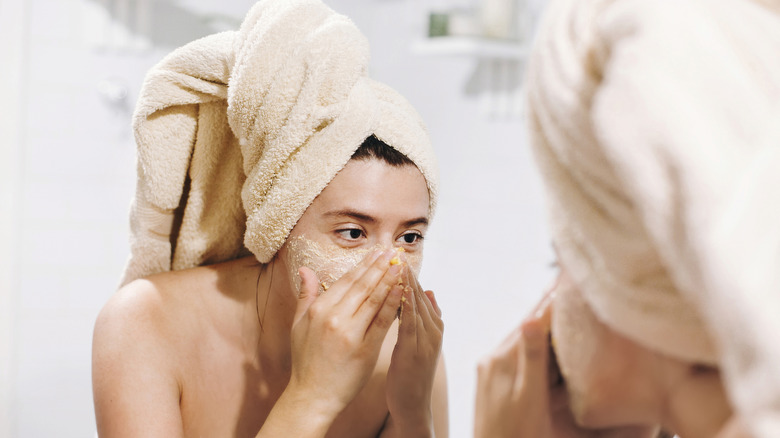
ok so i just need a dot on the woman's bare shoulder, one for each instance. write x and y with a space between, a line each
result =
165 304
147 310
141 299
137 344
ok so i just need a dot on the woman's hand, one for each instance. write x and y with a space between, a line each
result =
520 393
410 378
336 339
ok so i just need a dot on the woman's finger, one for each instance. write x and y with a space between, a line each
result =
508 351
496 405
543 308
363 277
432 298
309 291
506 359
358 284
535 355
367 303
407 318
423 308
435 321
377 329
425 312
338 289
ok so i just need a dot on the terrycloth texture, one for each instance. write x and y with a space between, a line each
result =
657 128
238 132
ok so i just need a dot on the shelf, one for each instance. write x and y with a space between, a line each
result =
471 46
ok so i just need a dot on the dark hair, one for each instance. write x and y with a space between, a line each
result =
373 147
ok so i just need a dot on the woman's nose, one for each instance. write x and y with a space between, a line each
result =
385 240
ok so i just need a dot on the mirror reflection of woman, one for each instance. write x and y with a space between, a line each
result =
655 128
312 322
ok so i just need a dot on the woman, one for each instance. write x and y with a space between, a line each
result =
282 201
655 128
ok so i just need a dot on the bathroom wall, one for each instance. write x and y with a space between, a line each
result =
10 95
68 176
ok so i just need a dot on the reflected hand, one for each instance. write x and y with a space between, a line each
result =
520 392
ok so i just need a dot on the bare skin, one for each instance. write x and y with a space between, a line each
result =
520 394
232 350
610 387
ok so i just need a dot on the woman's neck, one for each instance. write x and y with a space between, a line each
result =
697 406
275 305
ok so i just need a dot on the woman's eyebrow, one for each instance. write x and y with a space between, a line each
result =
417 221
354 214
363 217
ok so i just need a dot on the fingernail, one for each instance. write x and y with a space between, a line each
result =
532 334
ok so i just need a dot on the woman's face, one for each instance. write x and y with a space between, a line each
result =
368 205
609 378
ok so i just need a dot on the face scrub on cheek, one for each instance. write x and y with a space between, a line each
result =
331 262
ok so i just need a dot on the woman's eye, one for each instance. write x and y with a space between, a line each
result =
351 233
410 238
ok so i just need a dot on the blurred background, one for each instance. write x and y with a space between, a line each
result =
70 71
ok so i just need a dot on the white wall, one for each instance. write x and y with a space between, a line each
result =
12 31
486 255
76 178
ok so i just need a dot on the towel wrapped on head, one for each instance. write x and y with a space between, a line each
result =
657 129
238 132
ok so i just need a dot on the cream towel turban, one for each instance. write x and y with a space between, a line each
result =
657 129
238 132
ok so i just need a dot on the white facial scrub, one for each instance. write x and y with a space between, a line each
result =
331 262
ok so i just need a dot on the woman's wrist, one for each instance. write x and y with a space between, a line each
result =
419 425
297 410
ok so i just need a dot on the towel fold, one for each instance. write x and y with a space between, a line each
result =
656 129
238 132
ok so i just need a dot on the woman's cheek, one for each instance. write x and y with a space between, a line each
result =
331 262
